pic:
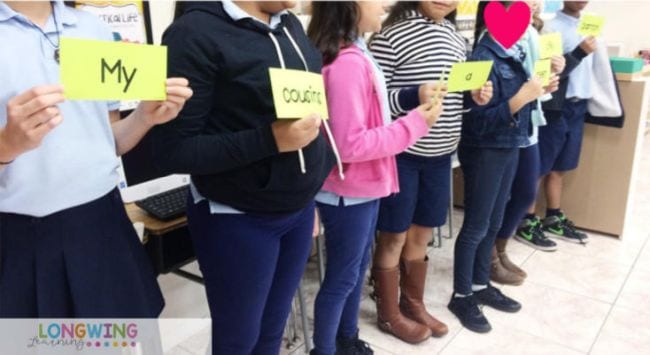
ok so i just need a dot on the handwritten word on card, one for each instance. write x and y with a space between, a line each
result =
543 70
550 45
591 25
468 76
100 70
297 93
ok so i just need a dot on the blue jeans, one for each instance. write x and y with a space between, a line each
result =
523 192
349 232
252 265
488 175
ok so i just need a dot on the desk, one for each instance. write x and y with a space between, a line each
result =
168 243
597 196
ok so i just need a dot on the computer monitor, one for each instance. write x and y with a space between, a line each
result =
139 178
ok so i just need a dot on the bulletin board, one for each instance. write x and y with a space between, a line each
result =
129 20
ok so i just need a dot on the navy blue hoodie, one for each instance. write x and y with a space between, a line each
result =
223 136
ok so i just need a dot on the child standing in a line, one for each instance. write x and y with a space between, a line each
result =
524 186
251 211
489 153
418 44
368 142
560 141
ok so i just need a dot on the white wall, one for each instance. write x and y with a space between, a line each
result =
162 13
628 22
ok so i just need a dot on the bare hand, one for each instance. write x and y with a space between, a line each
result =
558 63
532 89
589 45
483 95
431 112
159 112
553 84
291 135
30 117
428 91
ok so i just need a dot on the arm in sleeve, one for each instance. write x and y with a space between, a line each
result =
349 87
181 146
400 100
496 114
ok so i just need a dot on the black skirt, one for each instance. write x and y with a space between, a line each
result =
83 262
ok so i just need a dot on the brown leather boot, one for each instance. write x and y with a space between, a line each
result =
411 302
389 317
498 273
505 260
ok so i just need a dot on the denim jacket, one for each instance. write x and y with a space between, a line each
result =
492 125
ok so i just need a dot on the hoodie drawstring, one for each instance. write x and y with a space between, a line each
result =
325 124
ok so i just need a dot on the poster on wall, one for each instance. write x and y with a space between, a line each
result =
466 19
129 20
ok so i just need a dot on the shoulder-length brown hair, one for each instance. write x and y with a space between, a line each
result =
333 24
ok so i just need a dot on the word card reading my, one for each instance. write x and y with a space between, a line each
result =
101 70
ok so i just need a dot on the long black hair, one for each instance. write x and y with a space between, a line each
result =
179 9
400 11
480 25
333 24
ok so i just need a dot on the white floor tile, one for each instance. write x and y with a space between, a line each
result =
555 315
590 277
626 331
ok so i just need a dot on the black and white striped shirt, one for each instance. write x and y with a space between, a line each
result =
415 51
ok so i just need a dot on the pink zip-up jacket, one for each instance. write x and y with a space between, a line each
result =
367 146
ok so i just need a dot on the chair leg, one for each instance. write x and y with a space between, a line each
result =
451 204
320 258
305 323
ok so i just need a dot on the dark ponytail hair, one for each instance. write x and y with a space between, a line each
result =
400 10
333 23
179 9
480 21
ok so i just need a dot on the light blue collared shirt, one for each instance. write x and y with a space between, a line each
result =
76 162
580 77
330 198
236 13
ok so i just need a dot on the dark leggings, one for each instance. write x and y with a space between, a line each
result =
252 265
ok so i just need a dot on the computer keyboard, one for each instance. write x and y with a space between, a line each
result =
167 205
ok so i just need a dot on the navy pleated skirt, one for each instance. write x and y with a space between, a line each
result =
83 262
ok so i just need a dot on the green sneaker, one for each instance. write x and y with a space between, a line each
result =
530 233
562 228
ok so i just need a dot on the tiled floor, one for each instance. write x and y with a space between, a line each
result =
580 299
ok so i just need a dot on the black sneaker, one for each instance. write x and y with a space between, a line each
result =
530 233
469 314
352 346
561 227
492 297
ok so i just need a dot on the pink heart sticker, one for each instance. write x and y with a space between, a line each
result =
507 25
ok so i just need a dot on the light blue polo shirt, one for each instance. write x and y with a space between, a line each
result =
76 162
580 77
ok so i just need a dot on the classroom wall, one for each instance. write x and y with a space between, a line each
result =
162 13
628 22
